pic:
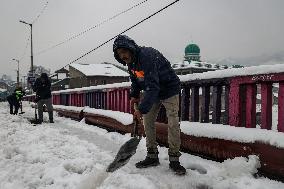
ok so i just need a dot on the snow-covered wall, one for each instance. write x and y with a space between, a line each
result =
219 131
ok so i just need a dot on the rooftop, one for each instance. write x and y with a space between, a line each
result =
102 69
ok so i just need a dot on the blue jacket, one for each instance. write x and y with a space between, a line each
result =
150 72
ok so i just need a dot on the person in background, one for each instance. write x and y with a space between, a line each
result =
13 103
14 100
151 72
42 87
19 95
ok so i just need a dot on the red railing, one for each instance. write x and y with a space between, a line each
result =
230 100
243 94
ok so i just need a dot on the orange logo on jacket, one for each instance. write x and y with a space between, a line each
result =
138 74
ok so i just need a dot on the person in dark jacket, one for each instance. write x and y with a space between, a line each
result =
13 103
43 96
152 73
19 95
14 100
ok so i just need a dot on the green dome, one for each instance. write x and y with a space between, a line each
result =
192 49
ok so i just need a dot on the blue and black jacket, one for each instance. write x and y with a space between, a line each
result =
150 72
42 87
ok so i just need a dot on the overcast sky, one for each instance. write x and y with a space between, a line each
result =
221 28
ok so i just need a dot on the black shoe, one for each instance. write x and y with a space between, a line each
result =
177 167
36 121
148 162
51 121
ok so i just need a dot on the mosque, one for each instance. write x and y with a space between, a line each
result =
192 64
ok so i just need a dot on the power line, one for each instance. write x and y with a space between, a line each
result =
38 16
27 43
41 12
122 32
89 29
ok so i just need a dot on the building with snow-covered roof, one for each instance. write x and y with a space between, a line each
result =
85 75
193 64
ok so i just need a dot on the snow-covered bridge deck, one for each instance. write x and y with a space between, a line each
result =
71 154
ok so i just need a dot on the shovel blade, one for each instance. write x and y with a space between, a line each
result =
35 121
126 151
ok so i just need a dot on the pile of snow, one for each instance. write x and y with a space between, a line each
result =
219 131
124 118
238 134
68 108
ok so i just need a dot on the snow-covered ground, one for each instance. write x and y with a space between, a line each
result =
73 155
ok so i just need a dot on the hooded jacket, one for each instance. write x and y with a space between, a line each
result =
150 72
42 87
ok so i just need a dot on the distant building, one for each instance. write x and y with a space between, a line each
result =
60 84
192 63
5 89
85 75
60 80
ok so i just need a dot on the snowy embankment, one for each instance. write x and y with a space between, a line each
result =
73 155
219 131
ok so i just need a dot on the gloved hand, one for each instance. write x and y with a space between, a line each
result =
37 98
138 115
133 101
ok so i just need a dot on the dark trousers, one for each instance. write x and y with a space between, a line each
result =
48 103
13 102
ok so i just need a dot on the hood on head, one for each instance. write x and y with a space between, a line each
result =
123 41
44 76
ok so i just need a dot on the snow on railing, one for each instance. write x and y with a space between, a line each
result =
222 96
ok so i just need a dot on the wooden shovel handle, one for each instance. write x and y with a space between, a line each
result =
135 106
136 122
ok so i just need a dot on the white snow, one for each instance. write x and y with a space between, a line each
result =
194 64
97 87
3 90
73 155
102 69
239 134
69 108
253 70
124 118
219 131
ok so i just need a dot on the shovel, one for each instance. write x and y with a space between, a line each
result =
127 150
36 120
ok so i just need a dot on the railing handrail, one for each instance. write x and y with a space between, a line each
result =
97 87
218 74
234 72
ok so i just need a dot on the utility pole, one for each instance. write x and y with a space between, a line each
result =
31 75
24 85
18 72
32 57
